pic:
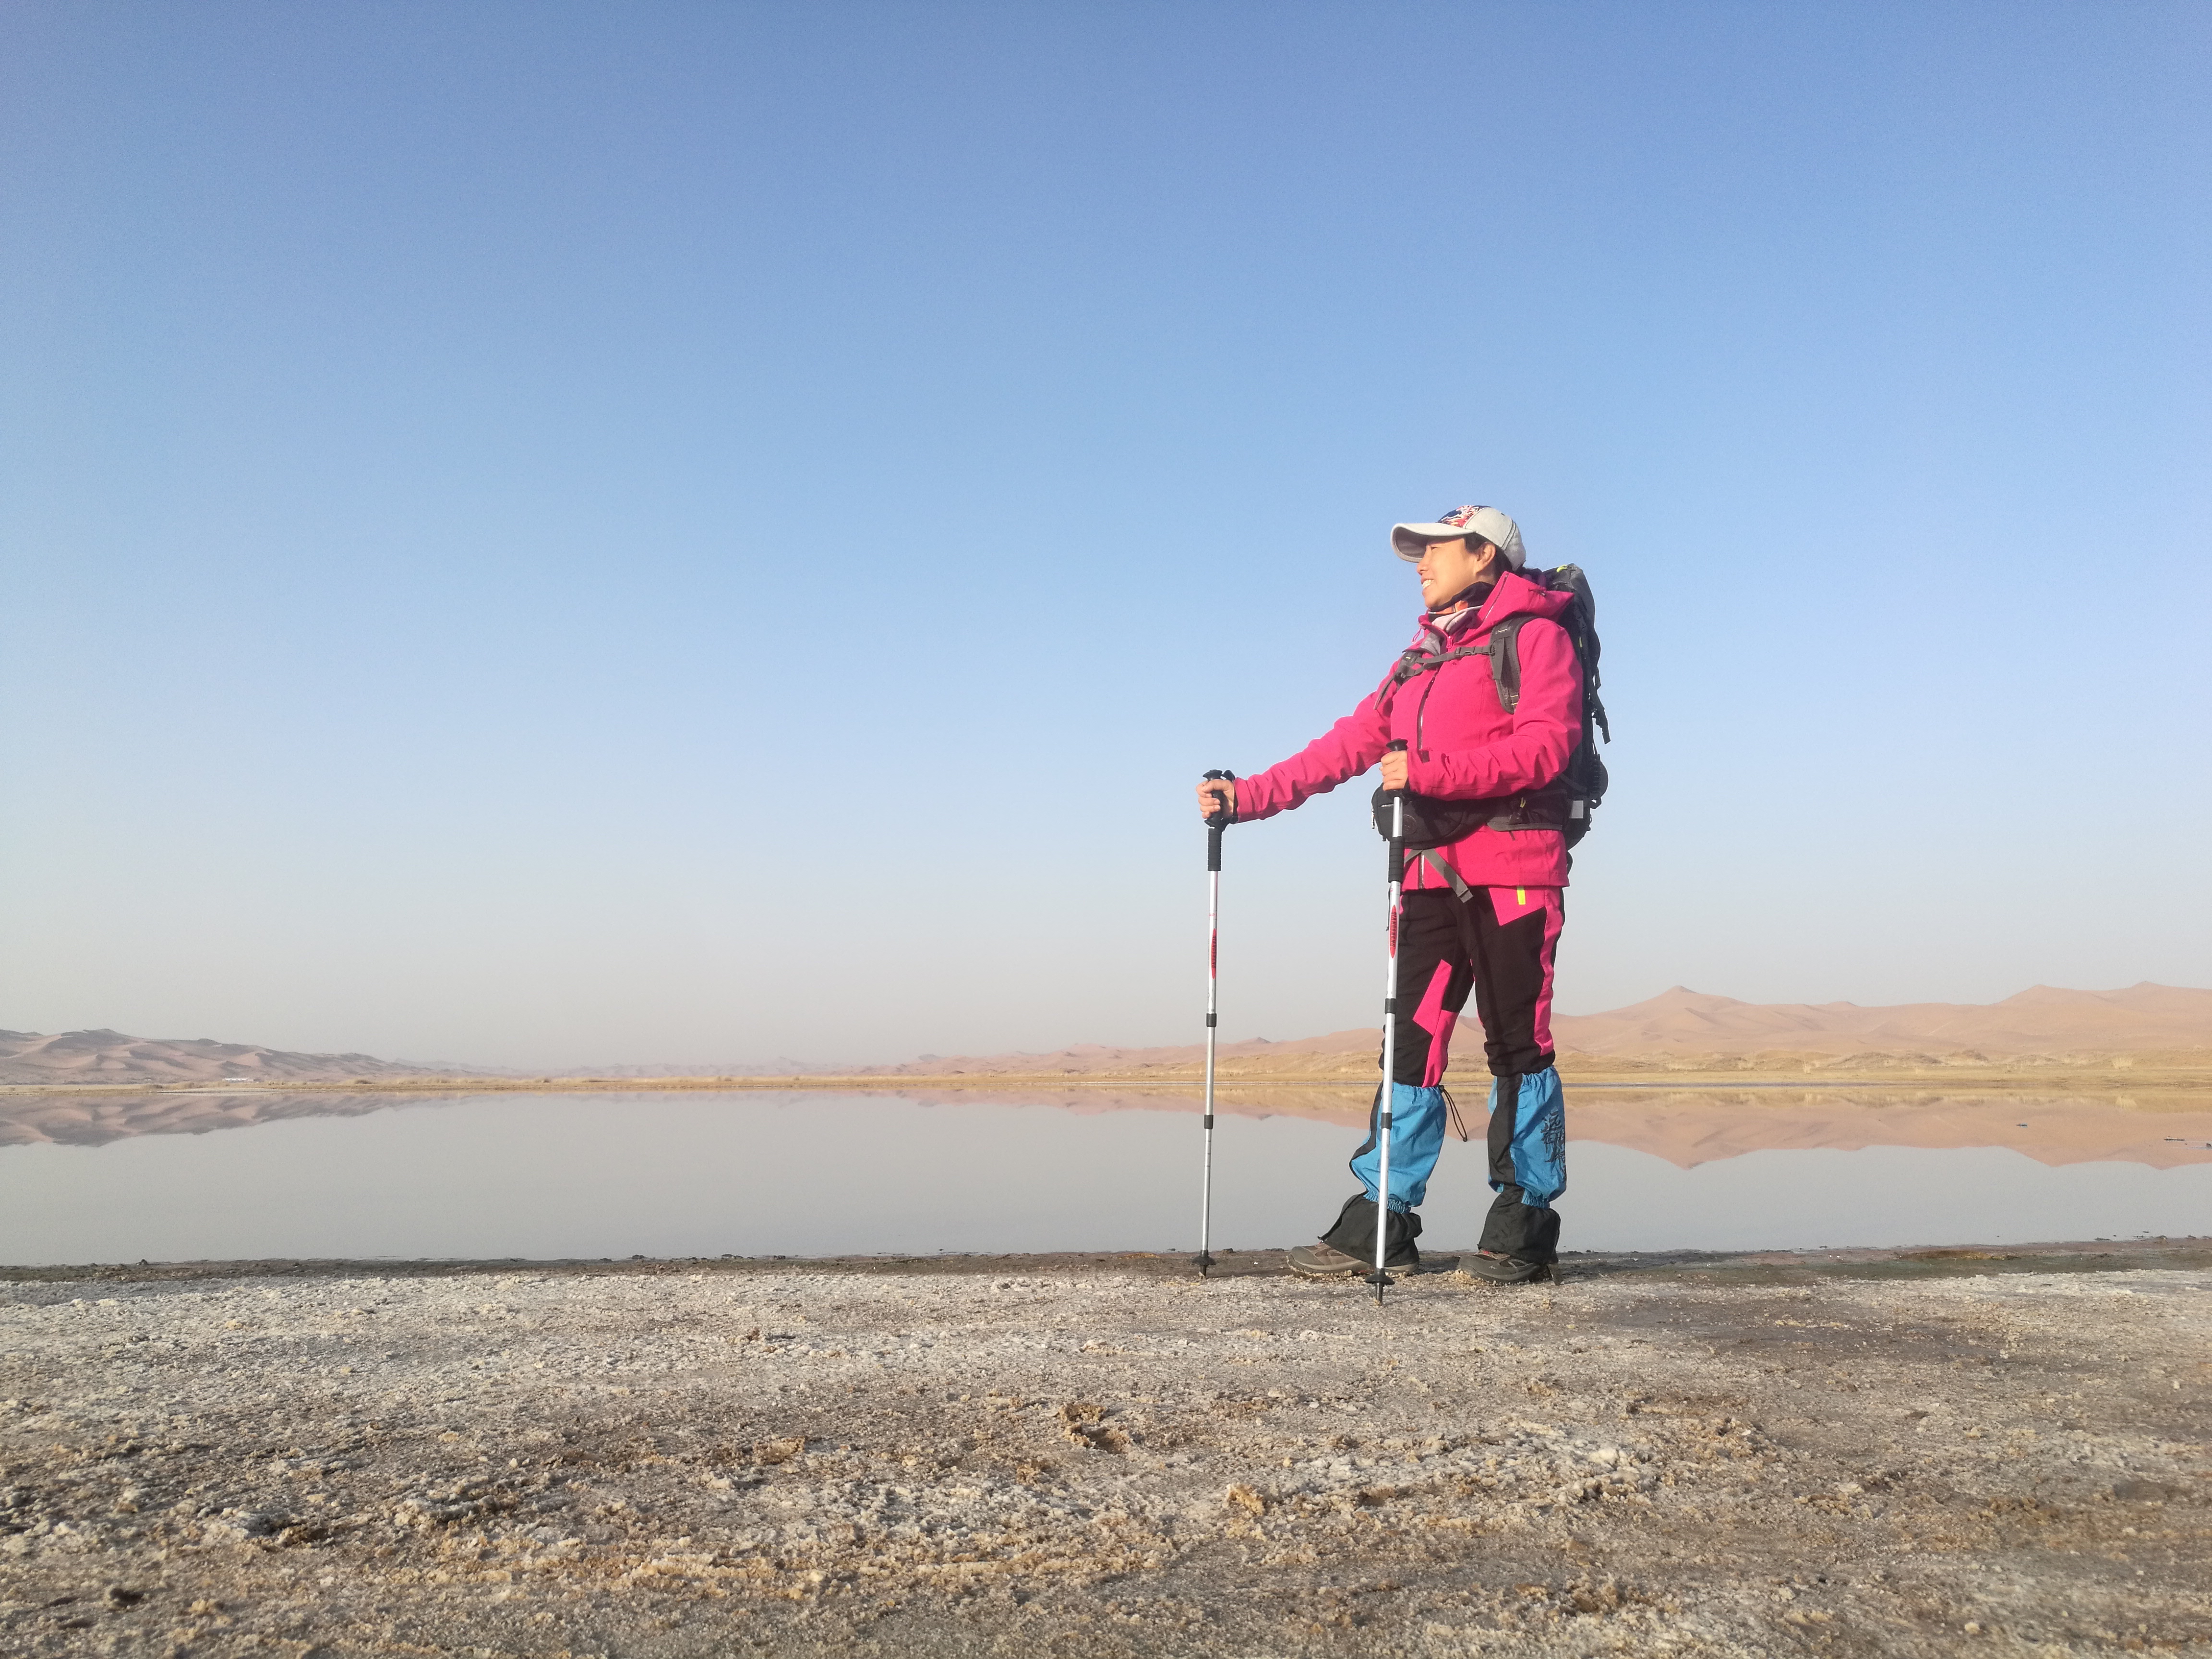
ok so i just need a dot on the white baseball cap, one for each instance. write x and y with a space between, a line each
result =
1409 540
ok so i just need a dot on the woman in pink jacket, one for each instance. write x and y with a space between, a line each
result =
1483 907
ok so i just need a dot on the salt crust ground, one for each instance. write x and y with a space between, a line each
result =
1104 1461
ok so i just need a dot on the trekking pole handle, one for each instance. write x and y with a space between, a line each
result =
1397 746
1216 822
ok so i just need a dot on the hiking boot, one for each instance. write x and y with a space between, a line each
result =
1319 1261
1503 1269
1352 1235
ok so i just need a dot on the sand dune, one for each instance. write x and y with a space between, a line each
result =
112 1057
2040 1020
2147 1026
2146 1021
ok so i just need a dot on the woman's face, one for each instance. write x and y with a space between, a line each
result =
1448 568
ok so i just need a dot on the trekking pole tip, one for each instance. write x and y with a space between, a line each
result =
1204 1262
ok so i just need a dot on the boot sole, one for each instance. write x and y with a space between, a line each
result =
1355 1269
1536 1278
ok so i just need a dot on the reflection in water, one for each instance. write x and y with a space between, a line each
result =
1688 1128
808 1173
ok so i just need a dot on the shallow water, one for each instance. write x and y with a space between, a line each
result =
808 1173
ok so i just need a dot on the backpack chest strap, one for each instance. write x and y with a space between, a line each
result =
1417 662
1503 647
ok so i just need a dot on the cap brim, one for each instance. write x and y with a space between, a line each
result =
1409 539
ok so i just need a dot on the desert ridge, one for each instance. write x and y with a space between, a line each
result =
2144 1028
2144 1035
2064 1077
105 1056
2041 1020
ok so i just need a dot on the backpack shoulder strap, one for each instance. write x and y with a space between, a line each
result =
1506 664
1504 653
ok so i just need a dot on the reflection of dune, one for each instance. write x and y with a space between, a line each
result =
1327 1105
1687 1127
94 1119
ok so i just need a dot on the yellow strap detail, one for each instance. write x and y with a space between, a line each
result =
1521 893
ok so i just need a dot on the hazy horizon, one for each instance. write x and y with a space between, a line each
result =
555 535
1232 1039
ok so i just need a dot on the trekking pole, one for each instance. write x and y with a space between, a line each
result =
1216 822
1379 1279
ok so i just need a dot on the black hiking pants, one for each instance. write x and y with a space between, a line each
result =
1499 945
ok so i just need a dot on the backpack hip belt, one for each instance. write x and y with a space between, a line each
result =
1432 821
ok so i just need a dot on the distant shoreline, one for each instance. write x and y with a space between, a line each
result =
2145 1038
2102 1081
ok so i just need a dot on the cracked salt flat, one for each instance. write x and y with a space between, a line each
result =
366 1464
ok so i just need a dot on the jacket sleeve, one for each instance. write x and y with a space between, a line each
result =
1345 750
1547 723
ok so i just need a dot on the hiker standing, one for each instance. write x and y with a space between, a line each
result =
1490 702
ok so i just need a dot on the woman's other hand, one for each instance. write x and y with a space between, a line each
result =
1217 797
1394 768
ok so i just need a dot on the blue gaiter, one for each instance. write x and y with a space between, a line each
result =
1417 1135
1538 1135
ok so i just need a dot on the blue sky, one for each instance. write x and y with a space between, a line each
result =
554 534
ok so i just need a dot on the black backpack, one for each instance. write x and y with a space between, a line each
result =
1568 801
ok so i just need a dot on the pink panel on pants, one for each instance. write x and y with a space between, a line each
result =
1437 1021
1511 905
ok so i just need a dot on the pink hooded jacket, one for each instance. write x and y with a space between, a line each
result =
1462 744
